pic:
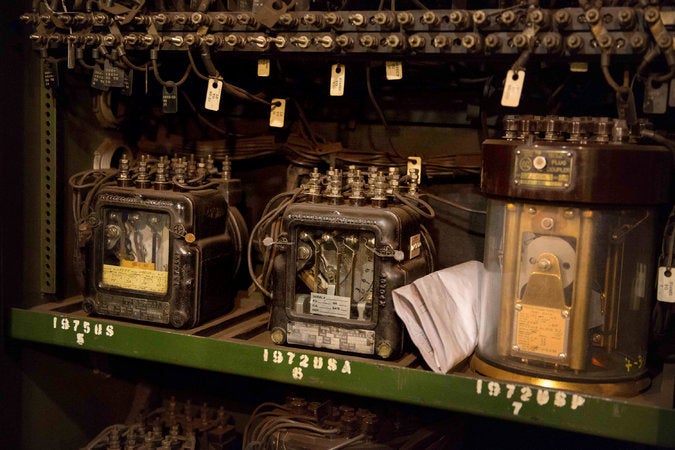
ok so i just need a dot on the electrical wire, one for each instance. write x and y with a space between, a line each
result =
454 204
414 202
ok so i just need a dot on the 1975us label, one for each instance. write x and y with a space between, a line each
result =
81 328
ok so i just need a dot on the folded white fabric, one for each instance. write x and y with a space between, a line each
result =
441 312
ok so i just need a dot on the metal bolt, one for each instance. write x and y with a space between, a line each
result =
382 19
301 42
493 42
259 41
574 42
544 264
430 18
562 355
233 40
368 41
565 313
562 17
278 336
394 41
416 41
518 307
279 41
568 214
180 19
344 41
547 223
333 19
405 19
470 42
440 41
357 20
384 350
224 19
175 40
287 20
532 211
515 348
508 18
520 41
652 14
480 18
637 41
304 252
313 20
325 42
592 16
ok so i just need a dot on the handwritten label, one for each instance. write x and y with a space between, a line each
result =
337 80
666 285
82 328
263 68
136 279
300 363
525 395
394 70
513 88
212 101
330 305
277 112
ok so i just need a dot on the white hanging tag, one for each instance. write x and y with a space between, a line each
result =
263 68
394 70
513 87
213 91
666 285
337 80
671 97
277 112
656 98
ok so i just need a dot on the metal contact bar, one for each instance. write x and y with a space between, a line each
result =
47 188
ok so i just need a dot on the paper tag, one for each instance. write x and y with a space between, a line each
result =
213 91
656 98
50 75
665 291
169 99
513 87
114 76
263 68
394 70
98 79
330 305
128 87
337 80
671 97
277 112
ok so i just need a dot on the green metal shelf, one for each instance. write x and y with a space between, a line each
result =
238 344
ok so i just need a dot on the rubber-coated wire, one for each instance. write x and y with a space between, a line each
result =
604 64
380 113
125 60
409 201
454 204
201 118
356 439
183 79
263 223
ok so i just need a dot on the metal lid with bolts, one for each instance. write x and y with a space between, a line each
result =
578 160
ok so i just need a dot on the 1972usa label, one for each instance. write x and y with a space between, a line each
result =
299 363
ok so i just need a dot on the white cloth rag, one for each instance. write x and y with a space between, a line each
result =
441 312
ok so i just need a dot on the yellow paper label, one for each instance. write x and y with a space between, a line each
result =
541 330
137 264
135 278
